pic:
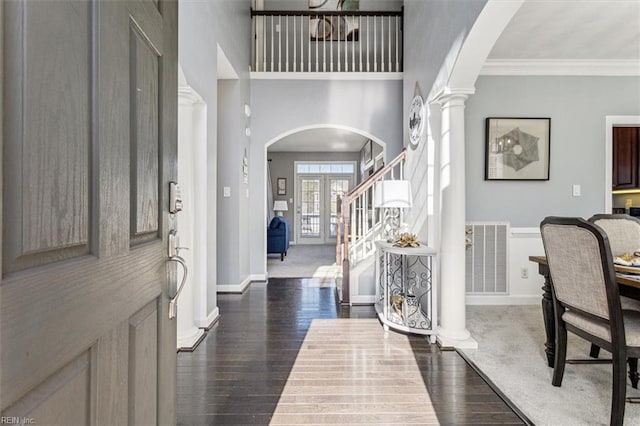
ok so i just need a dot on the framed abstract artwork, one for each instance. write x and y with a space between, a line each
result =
517 148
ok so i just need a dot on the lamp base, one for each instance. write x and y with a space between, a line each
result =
391 224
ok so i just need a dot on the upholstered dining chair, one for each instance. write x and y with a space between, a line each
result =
587 300
623 232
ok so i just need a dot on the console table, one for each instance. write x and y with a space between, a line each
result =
406 294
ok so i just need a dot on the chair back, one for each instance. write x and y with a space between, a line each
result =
622 230
580 265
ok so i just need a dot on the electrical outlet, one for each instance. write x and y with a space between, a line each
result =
524 273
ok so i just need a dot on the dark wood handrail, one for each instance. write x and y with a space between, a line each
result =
323 13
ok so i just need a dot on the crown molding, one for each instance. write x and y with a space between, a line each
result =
592 67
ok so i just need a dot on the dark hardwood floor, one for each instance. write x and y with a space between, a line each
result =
238 373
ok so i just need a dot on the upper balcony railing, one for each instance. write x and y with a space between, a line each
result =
331 41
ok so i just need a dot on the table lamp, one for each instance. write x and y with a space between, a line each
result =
280 206
392 195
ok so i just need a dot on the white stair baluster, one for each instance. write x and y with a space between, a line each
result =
360 41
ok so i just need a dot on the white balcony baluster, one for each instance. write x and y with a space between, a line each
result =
280 44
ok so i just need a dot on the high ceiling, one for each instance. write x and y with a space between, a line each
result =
572 30
558 30
320 140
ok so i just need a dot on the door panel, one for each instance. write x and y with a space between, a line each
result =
88 146
144 138
46 403
48 195
336 187
143 365
310 224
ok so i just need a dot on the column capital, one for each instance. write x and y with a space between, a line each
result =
453 96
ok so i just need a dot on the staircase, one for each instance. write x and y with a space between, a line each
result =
360 224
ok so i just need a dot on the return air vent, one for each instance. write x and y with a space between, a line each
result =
486 258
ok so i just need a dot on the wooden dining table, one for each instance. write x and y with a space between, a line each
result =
629 286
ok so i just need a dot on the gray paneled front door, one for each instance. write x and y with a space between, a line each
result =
89 115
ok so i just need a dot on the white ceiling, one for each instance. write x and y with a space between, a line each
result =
572 30
320 140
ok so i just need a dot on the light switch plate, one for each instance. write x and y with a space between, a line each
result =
576 190
226 192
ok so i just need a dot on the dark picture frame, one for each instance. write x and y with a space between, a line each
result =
517 148
282 186
367 152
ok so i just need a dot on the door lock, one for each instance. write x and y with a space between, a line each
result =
175 198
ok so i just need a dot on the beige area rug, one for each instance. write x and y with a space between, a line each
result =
305 261
349 371
511 353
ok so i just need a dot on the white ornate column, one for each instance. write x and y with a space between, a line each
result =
452 331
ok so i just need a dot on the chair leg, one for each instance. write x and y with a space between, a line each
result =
595 351
281 257
633 372
561 353
619 387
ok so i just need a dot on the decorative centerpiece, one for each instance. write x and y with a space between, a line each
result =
406 240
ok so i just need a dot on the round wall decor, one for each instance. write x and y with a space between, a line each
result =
417 119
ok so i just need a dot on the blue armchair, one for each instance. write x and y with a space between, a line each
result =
278 237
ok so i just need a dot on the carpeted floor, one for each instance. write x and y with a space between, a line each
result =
305 261
511 353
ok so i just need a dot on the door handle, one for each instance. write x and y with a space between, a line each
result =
173 303
173 257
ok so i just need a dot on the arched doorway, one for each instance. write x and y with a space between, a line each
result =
308 168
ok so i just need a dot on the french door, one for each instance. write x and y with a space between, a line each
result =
317 207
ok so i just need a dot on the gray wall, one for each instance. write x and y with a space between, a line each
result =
233 212
281 106
577 107
203 25
434 31
282 166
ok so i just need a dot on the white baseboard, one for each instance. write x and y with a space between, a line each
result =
258 277
503 300
363 300
209 320
189 341
234 288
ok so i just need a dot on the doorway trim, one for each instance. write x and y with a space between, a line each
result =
612 121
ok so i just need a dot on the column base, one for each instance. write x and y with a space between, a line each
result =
456 340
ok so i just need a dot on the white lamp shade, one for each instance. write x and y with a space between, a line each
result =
393 193
280 206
